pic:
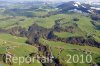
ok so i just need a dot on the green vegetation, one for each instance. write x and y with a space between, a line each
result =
72 50
47 16
17 47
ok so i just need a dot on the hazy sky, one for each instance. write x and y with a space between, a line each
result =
58 0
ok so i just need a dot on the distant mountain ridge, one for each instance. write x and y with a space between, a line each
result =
72 5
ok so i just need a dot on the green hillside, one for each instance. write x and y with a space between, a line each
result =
31 29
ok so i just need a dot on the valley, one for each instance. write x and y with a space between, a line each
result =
46 29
